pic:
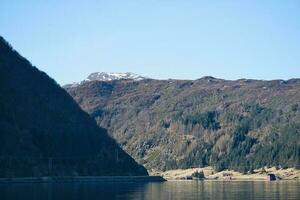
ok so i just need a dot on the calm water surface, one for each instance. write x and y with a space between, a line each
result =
286 190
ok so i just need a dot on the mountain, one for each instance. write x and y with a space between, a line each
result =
43 132
103 76
168 124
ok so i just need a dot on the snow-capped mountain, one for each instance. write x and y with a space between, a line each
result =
104 76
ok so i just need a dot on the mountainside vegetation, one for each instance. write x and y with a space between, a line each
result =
43 132
169 124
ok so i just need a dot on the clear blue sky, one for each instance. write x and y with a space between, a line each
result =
157 38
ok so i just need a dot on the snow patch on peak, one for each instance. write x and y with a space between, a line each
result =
103 76
110 76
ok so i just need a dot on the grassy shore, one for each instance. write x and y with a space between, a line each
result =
211 174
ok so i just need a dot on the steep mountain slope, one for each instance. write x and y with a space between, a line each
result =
44 132
169 124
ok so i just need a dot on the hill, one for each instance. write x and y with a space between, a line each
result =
43 132
169 124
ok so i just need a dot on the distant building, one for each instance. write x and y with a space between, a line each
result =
227 176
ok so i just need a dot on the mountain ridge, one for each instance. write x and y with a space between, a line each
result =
115 76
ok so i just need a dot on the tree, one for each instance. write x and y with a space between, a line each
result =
198 174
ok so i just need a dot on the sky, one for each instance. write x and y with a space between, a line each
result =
187 39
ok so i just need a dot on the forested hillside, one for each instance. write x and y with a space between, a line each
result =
43 132
168 124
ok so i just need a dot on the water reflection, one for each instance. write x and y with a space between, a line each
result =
287 190
223 190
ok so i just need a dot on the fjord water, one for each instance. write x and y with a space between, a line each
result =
214 190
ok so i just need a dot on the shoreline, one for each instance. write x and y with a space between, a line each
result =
230 175
126 179
84 179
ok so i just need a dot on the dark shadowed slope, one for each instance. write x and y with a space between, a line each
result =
167 124
44 132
